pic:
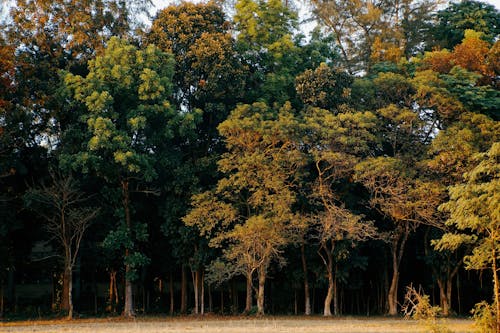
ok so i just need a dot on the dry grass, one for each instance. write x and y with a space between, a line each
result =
231 324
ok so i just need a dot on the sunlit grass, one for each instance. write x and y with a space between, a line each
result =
233 324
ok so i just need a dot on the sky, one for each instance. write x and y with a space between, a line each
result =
163 3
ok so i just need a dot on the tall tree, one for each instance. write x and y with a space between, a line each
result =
62 205
362 27
130 125
249 214
473 208
334 157
459 16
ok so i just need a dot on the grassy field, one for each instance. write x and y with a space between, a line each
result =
231 324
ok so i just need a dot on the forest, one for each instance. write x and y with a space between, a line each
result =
220 160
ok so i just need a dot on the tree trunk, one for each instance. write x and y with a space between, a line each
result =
128 310
329 295
69 274
392 297
171 291
65 291
202 292
248 300
307 299
183 290
196 289
112 293
443 297
397 249
260 295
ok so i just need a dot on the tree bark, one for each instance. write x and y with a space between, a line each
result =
196 288
443 297
329 295
113 292
307 299
260 295
128 310
248 299
202 292
397 249
65 290
328 262
69 273
392 297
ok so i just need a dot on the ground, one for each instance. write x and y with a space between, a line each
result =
229 324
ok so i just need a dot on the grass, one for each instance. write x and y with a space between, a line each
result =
233 324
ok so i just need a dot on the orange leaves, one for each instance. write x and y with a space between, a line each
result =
473 54
385 51
439 61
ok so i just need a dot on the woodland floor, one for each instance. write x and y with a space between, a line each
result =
236 324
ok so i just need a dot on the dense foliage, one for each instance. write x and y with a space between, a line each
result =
306 174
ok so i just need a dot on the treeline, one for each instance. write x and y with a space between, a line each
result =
217 164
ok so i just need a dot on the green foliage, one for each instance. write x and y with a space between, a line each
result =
463 15
473 207
126 93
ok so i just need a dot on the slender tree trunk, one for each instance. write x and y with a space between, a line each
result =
260 295
443 297
248 300
397 250
392 297
184 290
128 310
69 274
307 299
202 294
113 292
329 295
171 291
196 289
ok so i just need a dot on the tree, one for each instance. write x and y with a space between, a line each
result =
473 209
249 213
324 87
130 125
62 205
380 30
209 75
50 36
459 16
